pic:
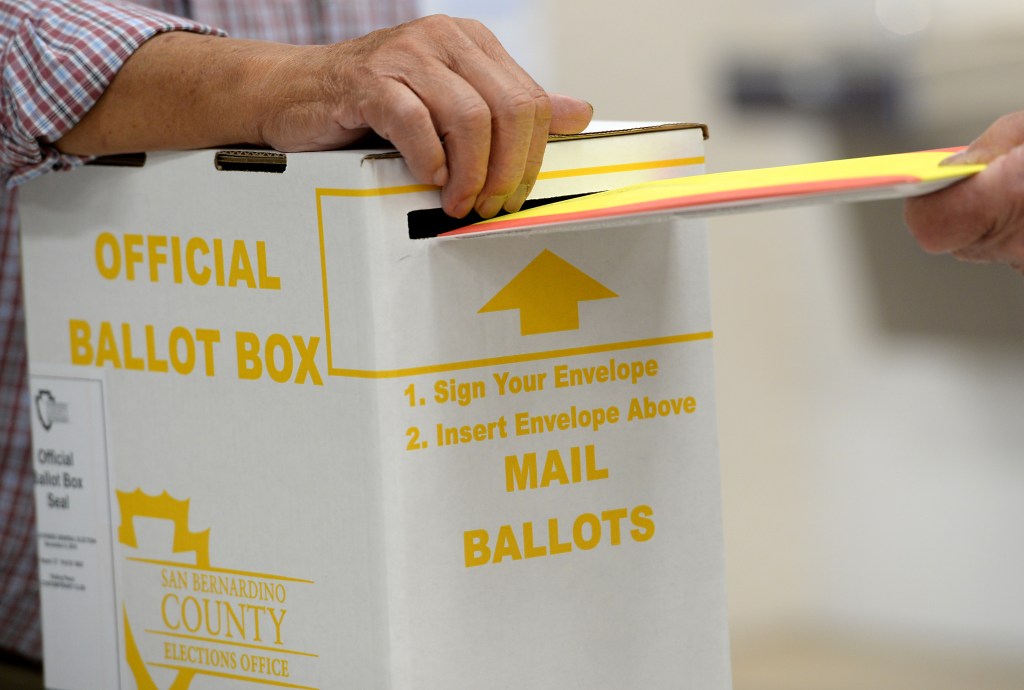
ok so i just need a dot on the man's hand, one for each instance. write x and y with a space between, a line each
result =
982 218
463 114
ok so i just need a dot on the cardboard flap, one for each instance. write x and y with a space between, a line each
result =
600 129
250 161
597 130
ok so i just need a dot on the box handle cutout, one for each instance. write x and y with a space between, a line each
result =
251 161
121 160
431 222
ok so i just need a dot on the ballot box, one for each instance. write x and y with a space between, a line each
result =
285 435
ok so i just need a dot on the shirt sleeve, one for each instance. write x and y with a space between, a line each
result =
57 57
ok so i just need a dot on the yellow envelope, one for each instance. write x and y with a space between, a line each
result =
854 179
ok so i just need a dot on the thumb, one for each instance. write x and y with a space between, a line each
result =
1005 134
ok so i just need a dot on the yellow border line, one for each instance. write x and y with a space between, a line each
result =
323 277
231 676
517 359
233 644
378 191
549 175
227 571
621 167
456 366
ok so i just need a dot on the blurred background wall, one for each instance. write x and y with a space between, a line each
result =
871 397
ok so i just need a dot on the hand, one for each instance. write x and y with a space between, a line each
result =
982 218
463 114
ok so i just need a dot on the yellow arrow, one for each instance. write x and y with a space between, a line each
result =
547 294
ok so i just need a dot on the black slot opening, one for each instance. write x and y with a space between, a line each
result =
124 160
431 222
251 161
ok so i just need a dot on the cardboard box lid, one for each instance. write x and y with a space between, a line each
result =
597 130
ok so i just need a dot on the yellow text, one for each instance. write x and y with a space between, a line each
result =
588 531
522 473
123 347
193 260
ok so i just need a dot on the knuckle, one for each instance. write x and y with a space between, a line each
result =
394 118
542 102
437 23
441 19
474 26
407 113
521 102
473 115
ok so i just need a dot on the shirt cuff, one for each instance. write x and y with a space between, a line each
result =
59 58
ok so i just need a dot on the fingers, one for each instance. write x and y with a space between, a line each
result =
980 219
522 120
950 219
445 92
1004 135
523 115
404 119
552 113
493 118
519 114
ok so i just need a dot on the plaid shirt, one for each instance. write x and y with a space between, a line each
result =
56 59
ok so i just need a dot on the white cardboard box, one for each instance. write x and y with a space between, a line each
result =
281 444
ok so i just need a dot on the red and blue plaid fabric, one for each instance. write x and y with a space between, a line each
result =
56 59
19 588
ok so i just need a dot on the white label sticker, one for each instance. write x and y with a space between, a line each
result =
73 517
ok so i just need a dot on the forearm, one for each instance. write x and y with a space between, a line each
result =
464 115
57 58
181 91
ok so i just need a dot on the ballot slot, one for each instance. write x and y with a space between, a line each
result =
429 223
250 161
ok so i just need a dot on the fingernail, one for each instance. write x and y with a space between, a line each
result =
515 202
490 206
441 176
965 157
462 209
